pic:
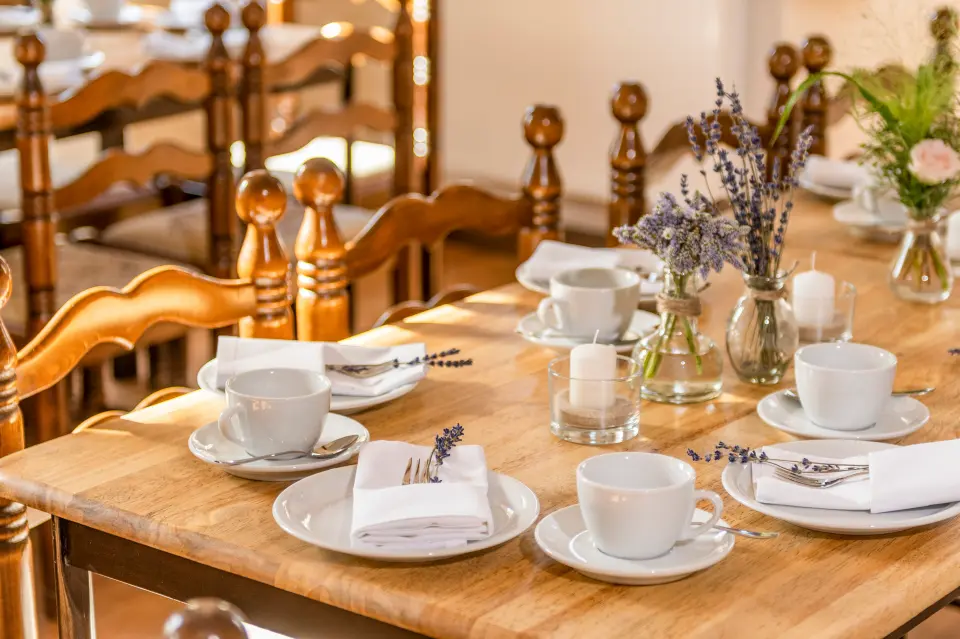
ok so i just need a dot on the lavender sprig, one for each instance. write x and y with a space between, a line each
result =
745 455
436 359
443 444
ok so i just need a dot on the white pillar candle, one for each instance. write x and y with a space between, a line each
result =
953 236
813 297
592 362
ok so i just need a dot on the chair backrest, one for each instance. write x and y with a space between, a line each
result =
326 264
350 122
39 116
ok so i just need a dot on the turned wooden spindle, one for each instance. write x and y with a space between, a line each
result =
783 63
817 53
943 27
323 306
543 129
628 159
403 181
220 135
16 604
206 618
252 91
261 203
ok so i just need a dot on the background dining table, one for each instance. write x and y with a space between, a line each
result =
132 503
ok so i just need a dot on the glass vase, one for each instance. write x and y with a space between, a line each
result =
680 365
762 334
921 270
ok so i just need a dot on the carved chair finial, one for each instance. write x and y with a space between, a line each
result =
206 619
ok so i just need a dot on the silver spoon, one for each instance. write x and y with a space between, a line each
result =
751 534
327 451
791 393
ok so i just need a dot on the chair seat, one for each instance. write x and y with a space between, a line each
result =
69 158
180 232
79 267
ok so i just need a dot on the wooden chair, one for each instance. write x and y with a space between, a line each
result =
206 619
326 264
259 302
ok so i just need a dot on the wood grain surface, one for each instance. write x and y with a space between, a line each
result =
134 477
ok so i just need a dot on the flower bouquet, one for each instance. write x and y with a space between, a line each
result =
913 137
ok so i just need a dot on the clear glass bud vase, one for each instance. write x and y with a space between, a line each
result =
921 270
762 334
680 365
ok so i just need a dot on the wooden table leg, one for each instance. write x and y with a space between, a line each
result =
17 611
74 590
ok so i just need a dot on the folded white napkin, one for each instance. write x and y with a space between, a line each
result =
900 478
551 258
423 516
238 355
841 174
19 16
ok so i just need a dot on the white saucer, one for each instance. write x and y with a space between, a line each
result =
319 510
129 15
904 415
738 482
533 330
343 404
824 190
565 538
645 263
208 445
866 224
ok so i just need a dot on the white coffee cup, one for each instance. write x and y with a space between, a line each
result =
275 410
844 386
880 201
584 301
639 505
105 10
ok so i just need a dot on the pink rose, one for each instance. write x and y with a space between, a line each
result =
933 162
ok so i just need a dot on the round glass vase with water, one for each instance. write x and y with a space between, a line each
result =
921 269
680 364
762 334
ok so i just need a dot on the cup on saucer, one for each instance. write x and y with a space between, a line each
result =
639 505
880 201
585 301
275 410
844 386
105 11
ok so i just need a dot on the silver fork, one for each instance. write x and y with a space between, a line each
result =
363 371
813 482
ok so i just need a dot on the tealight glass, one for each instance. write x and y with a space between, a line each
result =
602 411
840 327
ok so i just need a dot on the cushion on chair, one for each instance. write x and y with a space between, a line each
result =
79 267
69 158
180 232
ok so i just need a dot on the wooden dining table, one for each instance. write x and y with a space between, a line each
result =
132 503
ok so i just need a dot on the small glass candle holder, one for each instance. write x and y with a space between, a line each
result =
837 325
595 411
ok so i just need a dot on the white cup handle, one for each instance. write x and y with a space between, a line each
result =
225 423
549 314
693 530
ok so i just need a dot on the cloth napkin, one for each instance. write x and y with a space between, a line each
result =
900 478
19 16
841 174
237 355
419 516
551 258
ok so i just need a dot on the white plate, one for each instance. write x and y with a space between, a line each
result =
208 445
824 190
565 538
644 262
319 509
865 224
903 416
55 76
738 482
343 404
533 330
128 15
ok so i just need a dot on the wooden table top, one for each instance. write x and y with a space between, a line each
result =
135 478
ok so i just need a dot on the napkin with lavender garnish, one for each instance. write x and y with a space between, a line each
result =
900 478
241 354
840 174
447 514
551 258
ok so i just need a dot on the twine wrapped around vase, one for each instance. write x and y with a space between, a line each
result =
681 307
768 295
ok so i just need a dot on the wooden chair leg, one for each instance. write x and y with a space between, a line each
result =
17 610
74 591
41 538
